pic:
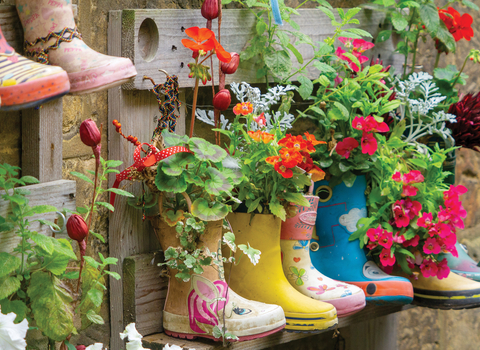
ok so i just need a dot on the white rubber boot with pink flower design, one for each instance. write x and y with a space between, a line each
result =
51 37
295 240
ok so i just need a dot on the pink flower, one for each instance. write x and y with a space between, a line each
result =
338 79
399 239
443 230
453 250
454 192
374 233
369 144
261 120
428 268
409 191
346 41
443 269
340 54
385 239
449 241
413 177
425 220
412 242
399 215
412 208
372 245
387 269
431 246
358 123
345 147
360 45
397 177
386 259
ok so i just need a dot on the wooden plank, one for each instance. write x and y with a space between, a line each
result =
11 27
42 140
139 42
375 334
60 194
145 291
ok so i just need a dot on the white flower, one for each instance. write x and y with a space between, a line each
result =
134 338
12 336
174 347
96 346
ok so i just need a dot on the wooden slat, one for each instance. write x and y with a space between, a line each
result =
237 29
11 27
60 194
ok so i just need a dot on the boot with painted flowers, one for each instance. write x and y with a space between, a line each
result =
52 37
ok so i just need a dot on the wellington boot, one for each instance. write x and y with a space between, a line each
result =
26 84
452 292
302 275
266 281
192 309
464 265
52 37
332 253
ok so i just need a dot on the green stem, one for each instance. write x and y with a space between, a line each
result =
51 344
437 59
460 73
414 59
194 107
303 3
406 44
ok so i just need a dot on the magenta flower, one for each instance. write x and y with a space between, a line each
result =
425 220
399 239
360 45
443 269
412 242
412 208
372 245
374 233
385 239
261 120
369 144
454 192
345 147
431 246
386 258
399 216
443 230
346 41
428 268
340 54
338 79
358 123
409 191
413 177
397 177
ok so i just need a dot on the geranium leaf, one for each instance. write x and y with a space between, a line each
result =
217 183
51 306
8 264
204 150
171 216
175 164
206 211
168 183
170 139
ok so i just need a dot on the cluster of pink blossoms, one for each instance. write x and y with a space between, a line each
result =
359 47
368 125
381 237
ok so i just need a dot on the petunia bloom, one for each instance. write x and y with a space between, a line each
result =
442 269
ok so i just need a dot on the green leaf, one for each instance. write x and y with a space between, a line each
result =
51 306
204 150
306 87
96 296
206 211
261 27
8 286
450 73
42 209
296 53
323 80
349 179
98 236
278 62
352 12
418 162
352 58
217 183
323 67
342 109
94 317
18 307
168 183
91 261
389 106
388 3
359 31
399 129
470 4
106 205
113 163
383 36
29 179
81 176
253 206
69 346
171 139
297 198
252 253
44 242
278 210
283 37
229 240
176 164
399 22
121 192
8 264
327 12
429 15
113 274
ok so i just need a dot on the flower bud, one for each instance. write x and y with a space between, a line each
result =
210 9
77 228
80 347
231 67
222 100
89 133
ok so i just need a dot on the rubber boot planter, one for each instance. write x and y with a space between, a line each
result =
464 265
302 275
192 308
332 253
266 281
24 83
51 37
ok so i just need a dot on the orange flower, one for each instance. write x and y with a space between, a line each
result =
272 160
202 39
256 136
266 137
317 174
290 158
222 55
243 108
283 170
312 139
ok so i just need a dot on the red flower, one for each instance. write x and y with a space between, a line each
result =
400 217
222 55
311 138
425 220
345 147
272 160
412 242
243 108
458 26
203 39
414 176
428 268
431 246
261 120
409 191
374 233
290 157
360 45
283 170
386 258
369 144
385 239
443 269
77 228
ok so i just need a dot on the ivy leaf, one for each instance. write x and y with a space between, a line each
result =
429 15
278 210
168 183
51 306
175 165
229 240
8 286
278 62
306 87
204 150
217 183
297 198
206 211
252 253
8 264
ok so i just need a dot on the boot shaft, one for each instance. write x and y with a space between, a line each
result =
300 227
4 47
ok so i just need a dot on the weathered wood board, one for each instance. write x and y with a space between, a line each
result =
60 194
152 40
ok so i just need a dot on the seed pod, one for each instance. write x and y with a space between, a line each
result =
222 100
77 228
231 67
89 133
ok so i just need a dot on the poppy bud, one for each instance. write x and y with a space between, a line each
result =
77 228
231 67
89 133
210 9
222 100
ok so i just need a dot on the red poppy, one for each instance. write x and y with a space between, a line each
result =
202 39
459 26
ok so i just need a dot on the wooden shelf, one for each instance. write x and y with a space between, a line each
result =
158 341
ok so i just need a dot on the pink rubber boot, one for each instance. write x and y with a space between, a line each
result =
51 37
297 266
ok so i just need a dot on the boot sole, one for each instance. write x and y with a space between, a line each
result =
33 93
386 292
308 323
241 338
447 300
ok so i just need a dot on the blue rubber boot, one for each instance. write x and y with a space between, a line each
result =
338 258
464 265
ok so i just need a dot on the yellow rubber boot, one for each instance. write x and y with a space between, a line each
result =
266 281
452 292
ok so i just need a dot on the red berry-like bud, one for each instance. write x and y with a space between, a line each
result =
89 133
210 9
77 228
222 100
231 67
80 347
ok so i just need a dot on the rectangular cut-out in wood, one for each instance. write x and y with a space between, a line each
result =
152 40
60 194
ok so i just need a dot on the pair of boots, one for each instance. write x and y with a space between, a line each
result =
67 64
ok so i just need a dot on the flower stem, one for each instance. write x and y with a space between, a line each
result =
437 59
460 73
194 106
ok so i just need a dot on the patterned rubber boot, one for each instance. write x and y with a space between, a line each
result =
302 275
193 309
332 253
464 265
26 84
266 281
52 37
